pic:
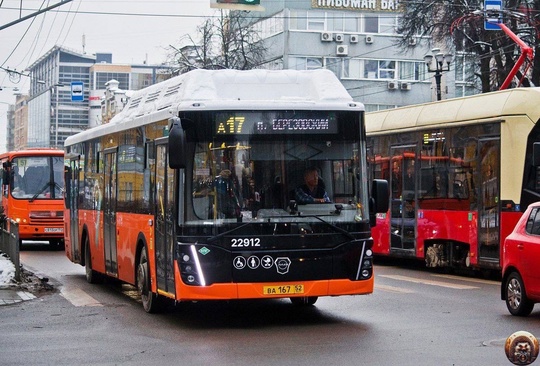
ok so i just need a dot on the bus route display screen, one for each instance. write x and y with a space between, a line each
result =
276 122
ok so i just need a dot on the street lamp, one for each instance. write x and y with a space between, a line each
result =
442 63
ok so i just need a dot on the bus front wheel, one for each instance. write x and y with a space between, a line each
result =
151 303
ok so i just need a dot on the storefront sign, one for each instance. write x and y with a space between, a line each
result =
373 5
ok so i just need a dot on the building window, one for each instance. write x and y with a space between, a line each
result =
305 63
371 23
316 20
388 24
410 70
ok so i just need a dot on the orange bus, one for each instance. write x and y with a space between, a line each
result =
189 192
32 193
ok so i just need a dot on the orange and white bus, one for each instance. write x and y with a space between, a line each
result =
461 173
32 193
188 193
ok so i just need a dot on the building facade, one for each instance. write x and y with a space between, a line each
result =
356 39
20 128
66 90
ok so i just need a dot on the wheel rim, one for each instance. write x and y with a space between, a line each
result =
141 279
513 293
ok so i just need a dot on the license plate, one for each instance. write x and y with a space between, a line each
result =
283 290
54 230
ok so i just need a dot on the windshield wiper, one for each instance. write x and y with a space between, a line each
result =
51 184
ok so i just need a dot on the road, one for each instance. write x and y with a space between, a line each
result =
415 317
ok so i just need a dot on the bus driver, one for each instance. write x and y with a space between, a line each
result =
311 191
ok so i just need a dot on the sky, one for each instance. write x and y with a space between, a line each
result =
134 31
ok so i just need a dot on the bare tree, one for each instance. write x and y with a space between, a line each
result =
461 24
228 42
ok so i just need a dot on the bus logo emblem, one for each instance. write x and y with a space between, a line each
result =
283 264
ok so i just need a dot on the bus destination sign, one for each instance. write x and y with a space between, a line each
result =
260 123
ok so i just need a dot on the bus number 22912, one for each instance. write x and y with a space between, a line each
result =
245 242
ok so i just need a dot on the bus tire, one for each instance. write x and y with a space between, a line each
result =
515 296
92 276
304 301
150 301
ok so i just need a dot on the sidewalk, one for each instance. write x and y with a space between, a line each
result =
14 295
10 291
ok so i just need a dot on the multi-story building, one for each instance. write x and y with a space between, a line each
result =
65 85
10 127
20 129
357 41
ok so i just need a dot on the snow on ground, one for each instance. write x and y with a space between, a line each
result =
7 270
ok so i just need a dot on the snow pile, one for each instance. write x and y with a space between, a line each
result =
7 270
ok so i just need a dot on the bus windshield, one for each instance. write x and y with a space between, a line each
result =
247 171
37 177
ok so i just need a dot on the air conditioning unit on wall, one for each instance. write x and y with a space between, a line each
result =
353 38
339 37
369 39
405 85
342 50
326 37
393 84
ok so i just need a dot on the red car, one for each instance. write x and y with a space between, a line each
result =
520 286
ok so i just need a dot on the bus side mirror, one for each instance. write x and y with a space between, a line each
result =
378 202
536 154
5 177
177 144
5 173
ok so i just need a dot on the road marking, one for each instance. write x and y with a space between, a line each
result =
26 295
429 282
475 280
78 297
397 290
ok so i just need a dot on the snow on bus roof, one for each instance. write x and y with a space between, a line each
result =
201 90
235 89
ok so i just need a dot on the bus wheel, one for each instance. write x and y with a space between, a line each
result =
515 296
304 301
92 276
150 301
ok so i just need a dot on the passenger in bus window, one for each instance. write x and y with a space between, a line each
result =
311 191
227 194
19 186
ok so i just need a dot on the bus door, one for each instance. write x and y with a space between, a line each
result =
489 203
165 224
403 207
109 213
73 198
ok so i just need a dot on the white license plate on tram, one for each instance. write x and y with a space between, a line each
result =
54 230
283 290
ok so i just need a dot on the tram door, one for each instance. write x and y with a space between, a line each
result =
403 208
165 223
489 203
109 213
